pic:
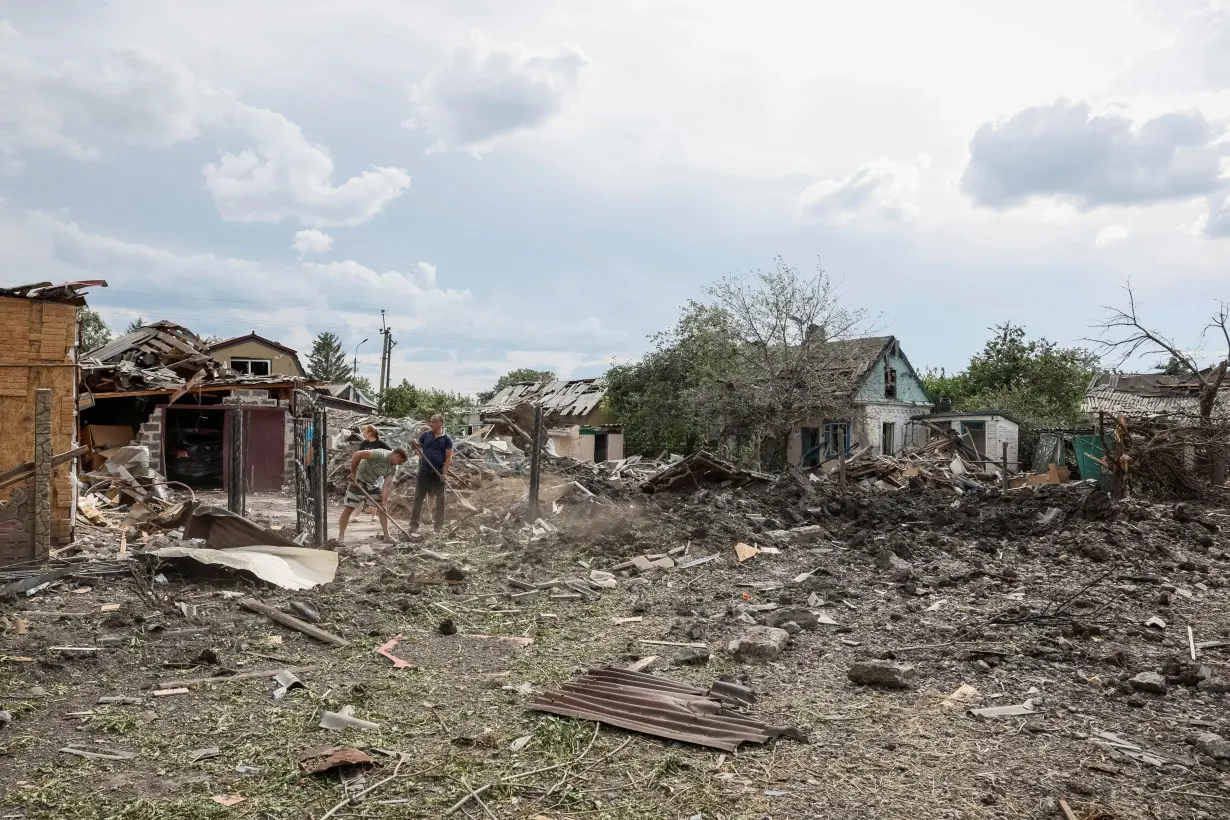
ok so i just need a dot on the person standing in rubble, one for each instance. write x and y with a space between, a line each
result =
371 441
366 468
435 451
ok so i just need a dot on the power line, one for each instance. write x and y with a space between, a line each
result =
247 322
353 309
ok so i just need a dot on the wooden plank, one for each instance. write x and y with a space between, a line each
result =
24 471
263 673
292 622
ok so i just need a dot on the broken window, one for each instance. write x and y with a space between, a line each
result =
890 381
833 435
252 367
888 436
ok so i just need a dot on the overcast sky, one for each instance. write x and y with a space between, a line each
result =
544 183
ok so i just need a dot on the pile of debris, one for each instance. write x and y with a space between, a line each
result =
124 485
477 458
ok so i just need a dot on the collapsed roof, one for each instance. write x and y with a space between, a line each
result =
161 356
574 399
69 293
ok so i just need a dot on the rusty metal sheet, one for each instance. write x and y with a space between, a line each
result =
657 706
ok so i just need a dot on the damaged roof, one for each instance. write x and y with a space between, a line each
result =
1145 394
577 398
162 357
69 292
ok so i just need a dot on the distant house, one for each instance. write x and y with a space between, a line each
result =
345 396
883 393
255 355
576 422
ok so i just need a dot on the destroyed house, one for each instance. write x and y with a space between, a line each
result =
159 386
577 424
880 391
38 436
255 355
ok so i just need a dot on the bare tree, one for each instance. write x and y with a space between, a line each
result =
1124 335
781 370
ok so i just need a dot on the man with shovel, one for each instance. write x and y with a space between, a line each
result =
435 450
367 467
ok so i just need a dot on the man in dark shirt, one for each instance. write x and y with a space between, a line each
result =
435 451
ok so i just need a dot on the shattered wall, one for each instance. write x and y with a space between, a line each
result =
37 350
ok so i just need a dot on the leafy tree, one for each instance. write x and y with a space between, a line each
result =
1036 382
740 371
407 401
521 374
328 361
94 330
135 324
363 385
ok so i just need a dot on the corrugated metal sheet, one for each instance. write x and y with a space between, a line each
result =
662 708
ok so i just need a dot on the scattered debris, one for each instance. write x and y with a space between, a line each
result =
326 758
292 622
286 681
386 649
882 673
344 719
96 755
1020 710
1150 682
760 644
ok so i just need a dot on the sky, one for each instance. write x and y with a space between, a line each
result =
545 183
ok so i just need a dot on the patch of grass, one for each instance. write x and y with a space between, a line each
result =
113 722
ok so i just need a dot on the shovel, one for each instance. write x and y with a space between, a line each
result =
380 507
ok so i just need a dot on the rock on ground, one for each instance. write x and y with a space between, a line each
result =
882 673
760 644
1149 682
1208 743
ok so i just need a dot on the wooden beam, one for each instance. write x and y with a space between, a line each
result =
263 673
292 622
24 471
167 391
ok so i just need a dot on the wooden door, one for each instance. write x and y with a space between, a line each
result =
266 450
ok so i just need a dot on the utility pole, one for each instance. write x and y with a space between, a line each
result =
384 355
535 464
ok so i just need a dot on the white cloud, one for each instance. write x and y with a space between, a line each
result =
881 189
311 241
486 93
1066 151
140 97
285 176
1110 235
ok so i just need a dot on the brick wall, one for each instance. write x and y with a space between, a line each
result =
37 348
869 422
